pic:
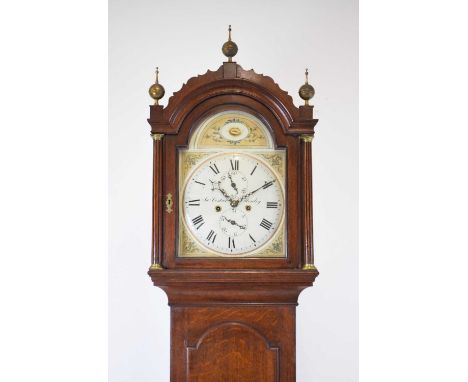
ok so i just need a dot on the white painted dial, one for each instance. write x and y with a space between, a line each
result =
233 204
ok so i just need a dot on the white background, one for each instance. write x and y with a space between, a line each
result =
412 181
185 41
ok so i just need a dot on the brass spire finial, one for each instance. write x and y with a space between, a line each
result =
156 91
306 91
229 47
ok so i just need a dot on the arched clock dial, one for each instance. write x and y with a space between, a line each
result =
233 204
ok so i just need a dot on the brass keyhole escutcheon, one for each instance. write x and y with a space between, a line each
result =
169 203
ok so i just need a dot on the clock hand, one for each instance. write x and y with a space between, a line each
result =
233 202
233 222
221 190
267 184
233 185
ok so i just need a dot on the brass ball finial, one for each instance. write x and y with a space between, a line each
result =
156 91
229 47
306 91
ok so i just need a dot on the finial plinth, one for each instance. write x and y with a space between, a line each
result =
229 48
156 91
306 91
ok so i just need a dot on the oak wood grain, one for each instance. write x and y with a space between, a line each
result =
236 344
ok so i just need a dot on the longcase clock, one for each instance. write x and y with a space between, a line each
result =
232 239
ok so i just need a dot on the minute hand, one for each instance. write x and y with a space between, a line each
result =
266 185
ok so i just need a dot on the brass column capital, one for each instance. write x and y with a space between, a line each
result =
157 136
306 137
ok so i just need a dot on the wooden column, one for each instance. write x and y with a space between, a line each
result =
307 219
156 245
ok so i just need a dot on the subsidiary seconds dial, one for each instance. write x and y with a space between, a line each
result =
233 204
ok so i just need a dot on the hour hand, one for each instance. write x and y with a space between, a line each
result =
233 202
215 186
233 185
